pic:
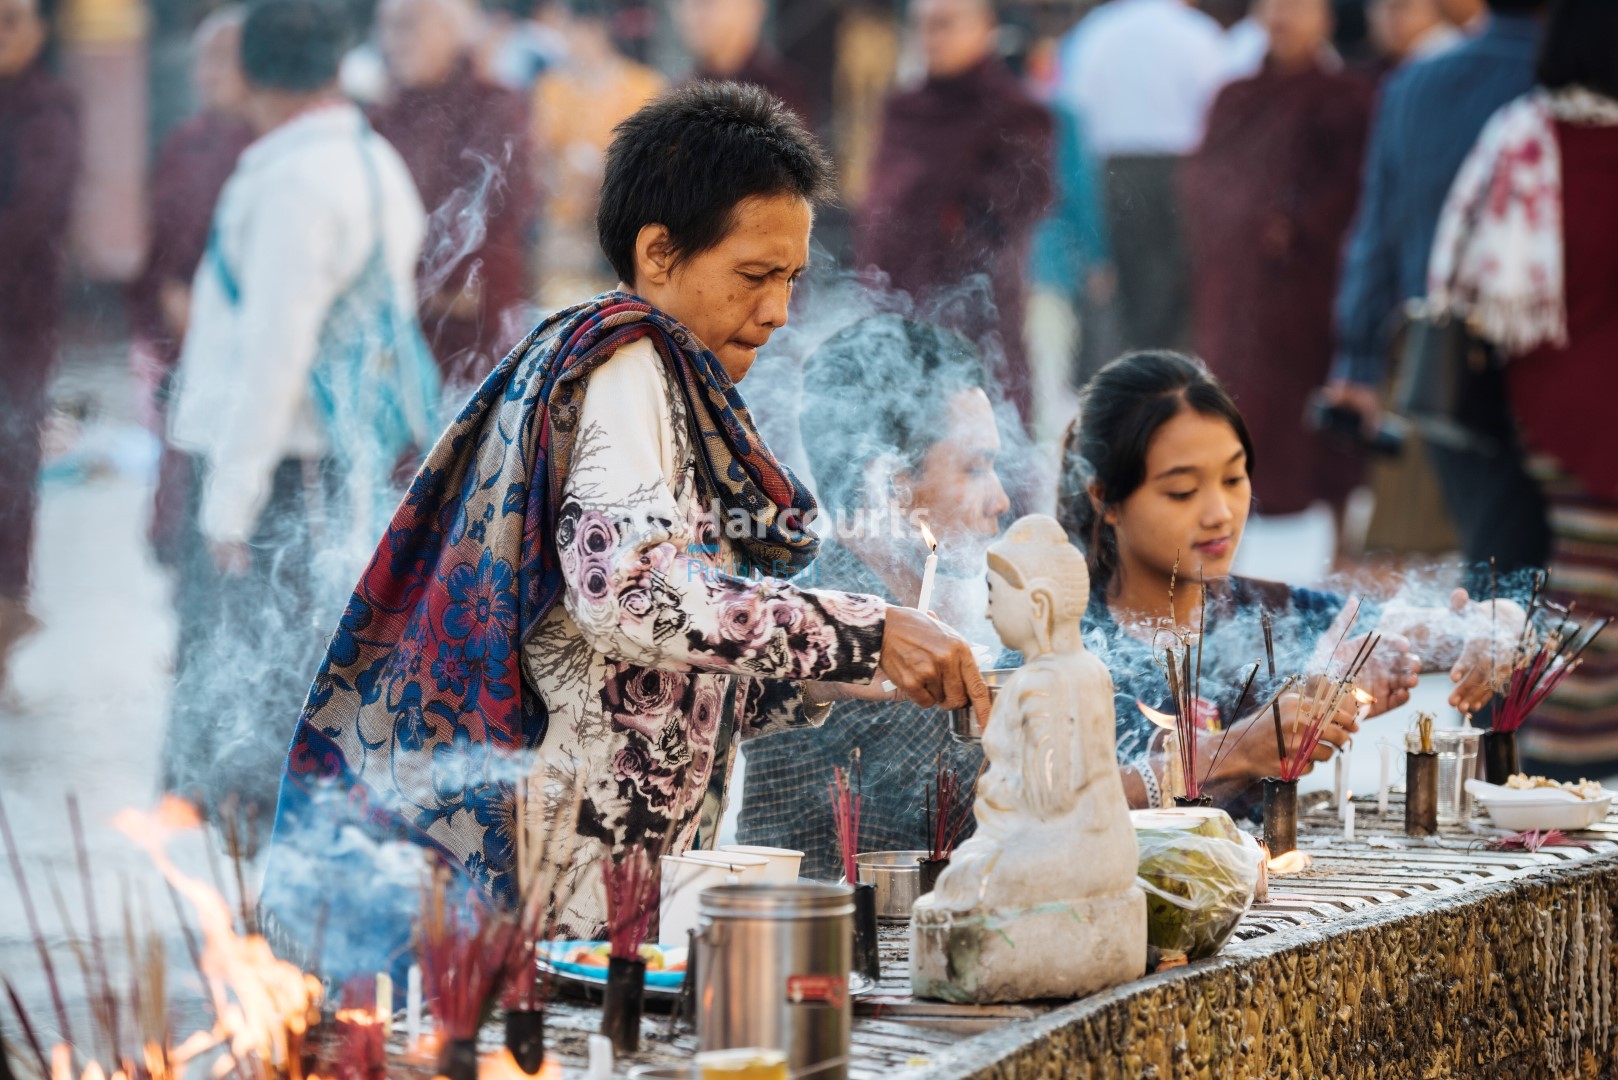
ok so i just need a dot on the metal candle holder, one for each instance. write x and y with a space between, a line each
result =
1421 793
1280 815
459 1059
1500 761
867 958
930 869
623 1002
525 1038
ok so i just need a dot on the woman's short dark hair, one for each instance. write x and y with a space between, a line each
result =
686 160
1580 47
1120 410
880 386
292 45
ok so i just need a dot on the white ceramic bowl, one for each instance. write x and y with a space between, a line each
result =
1539 808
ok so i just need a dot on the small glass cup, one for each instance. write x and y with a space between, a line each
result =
1457 750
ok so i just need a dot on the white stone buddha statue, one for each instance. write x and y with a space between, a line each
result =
1041 901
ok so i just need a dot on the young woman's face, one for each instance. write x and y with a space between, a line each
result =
734 295
1193 505
957 484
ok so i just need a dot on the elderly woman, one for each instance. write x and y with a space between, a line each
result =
590 564
923 445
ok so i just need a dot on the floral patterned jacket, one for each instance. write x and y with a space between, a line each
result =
660 624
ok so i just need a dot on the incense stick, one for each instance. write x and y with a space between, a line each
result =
15 859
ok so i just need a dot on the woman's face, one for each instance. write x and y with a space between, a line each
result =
957 485
734 295
1193 505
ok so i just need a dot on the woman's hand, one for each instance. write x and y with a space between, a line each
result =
1389 674
1251 753
930 663
1490 632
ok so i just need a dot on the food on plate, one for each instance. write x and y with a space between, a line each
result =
1584 789
596 955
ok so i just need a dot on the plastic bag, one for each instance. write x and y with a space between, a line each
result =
1198 872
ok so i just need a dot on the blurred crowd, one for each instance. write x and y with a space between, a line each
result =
1258 183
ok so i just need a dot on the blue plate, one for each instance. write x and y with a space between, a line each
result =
551 955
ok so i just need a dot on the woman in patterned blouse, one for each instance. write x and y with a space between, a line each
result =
585 587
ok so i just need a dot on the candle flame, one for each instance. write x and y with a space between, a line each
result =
927 535
1161 719
1363 696
1293 862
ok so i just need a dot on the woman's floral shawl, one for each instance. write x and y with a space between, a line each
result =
419 709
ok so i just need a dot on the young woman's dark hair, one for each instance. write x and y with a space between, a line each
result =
880 386
293 45
1580 47
1119 412
688 158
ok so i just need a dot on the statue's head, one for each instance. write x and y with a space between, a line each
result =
1038 584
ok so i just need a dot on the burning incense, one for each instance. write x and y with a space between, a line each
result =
929 568
632 888
948 807
845 809
1275 708
1536 673
1317 708
63 1028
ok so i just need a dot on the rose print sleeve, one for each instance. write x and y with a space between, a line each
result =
635 585
765 706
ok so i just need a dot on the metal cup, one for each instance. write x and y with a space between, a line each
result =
965 726
897 877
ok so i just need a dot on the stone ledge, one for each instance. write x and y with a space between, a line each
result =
1508 979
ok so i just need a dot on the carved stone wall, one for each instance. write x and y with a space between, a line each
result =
1514 980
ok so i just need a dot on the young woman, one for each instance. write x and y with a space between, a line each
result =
572 591
1156 486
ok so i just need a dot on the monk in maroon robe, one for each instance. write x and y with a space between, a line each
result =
192 166
725 38
39 166
1268 202
466 143
961 176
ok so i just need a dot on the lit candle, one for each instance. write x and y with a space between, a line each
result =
600 1061
413 1007
384 1002
1348 822
924 599
1382 782
1341 787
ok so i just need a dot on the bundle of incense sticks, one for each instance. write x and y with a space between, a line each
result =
130 1026
846 785
464 948
948 807
1319 706
541 825
632 888
1540 663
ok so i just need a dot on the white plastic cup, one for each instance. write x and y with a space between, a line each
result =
683 879
783 862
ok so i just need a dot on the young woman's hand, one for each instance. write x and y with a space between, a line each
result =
1491 632
1250 752
930 663
1390 673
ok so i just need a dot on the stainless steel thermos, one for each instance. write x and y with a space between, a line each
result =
773 971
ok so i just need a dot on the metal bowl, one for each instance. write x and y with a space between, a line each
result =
897 877
964 724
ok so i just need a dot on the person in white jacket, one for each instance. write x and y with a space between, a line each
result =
303 382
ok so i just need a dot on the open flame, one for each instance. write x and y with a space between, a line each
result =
1161 719
263 1005
1363 696
927 535
1293 862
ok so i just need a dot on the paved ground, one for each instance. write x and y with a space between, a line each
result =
85 713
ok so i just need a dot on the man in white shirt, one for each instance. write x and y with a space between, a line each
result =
1141 75
301 339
